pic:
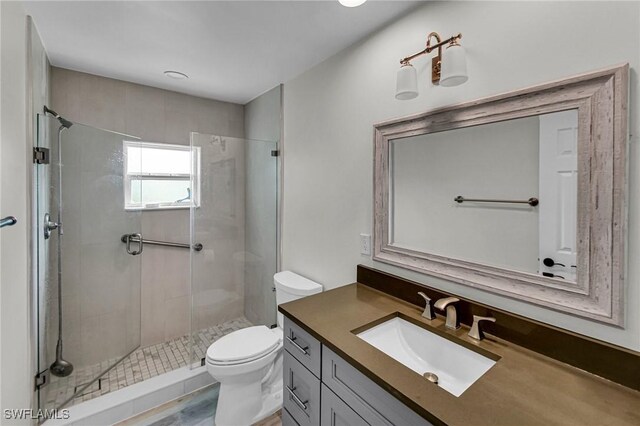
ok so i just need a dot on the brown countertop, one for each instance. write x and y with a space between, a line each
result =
522 388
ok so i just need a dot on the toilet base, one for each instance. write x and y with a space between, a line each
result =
271 404
248 394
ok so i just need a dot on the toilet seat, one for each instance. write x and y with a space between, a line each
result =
243 346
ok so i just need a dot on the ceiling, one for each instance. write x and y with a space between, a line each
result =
231 50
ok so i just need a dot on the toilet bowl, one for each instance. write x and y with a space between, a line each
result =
248 362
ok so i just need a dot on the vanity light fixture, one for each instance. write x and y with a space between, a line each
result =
351 3
448 67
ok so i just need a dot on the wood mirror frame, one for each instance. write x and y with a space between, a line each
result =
601 99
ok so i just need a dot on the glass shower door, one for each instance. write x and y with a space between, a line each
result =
236 223
88 261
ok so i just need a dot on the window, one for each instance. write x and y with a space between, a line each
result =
158 176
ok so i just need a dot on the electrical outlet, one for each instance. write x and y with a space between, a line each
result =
365 244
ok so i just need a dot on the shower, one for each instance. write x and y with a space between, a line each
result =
60 367
92 330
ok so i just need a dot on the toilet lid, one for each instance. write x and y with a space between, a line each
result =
243 345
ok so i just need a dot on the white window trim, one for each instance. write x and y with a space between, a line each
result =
195 183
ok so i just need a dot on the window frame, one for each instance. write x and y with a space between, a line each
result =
193 178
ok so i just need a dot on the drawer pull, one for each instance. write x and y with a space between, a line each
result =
300 348
296 399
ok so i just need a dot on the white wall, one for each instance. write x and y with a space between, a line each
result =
330 111
15 355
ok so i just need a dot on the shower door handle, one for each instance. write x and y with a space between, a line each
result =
136 238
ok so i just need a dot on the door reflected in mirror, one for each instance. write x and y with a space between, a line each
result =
470 193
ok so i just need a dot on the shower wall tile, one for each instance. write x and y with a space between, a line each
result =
177 275
99 95
154 115
144 109
90 337
153 301
178 117
171 225
177 317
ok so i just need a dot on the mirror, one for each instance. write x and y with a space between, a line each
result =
521 194
502 194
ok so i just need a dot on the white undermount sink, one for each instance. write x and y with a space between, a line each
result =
456 367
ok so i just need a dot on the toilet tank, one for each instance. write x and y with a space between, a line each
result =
291 286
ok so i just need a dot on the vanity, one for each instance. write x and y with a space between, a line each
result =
335 375
520 194
322 388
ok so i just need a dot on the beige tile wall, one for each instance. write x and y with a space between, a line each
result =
154 115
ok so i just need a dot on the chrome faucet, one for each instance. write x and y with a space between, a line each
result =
447 304
476 330
428 307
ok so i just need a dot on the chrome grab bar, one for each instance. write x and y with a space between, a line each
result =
531 201
136 238
8 221
292 340
300 403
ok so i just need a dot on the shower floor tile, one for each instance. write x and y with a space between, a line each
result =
140 365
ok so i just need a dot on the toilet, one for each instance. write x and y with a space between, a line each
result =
248 362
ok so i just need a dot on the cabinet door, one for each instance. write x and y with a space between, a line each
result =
335 412
301 392
287 420
370 401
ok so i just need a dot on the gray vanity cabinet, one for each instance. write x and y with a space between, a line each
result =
321 388
335 412
287 419
375 405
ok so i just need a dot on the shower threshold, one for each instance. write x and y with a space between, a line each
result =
142 364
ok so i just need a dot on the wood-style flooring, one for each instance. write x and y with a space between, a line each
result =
195 409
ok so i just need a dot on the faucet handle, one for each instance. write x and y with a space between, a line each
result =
441 304
428 307
476 330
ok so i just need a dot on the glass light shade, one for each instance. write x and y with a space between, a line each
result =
351 3
406 83
454 66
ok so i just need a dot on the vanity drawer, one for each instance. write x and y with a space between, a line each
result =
287 420
370 401
301 392
336 413
302 346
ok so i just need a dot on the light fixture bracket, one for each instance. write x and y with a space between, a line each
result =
435 69
436 63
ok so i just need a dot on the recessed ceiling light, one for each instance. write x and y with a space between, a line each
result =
176 75
351 3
